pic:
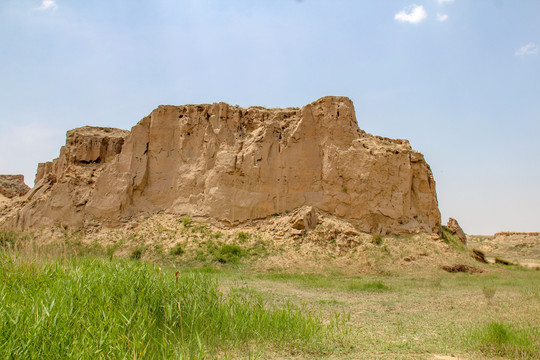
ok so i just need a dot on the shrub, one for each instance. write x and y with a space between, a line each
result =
377 239
228 253
242 236
136 254
177 250
186 221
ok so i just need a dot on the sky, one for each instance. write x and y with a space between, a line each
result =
460 79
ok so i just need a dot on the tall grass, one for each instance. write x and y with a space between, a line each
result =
89 308
499 339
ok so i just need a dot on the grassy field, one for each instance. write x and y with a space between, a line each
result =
480 316
74 304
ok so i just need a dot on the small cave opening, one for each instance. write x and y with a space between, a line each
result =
86 162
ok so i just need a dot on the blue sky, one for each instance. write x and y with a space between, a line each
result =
460 79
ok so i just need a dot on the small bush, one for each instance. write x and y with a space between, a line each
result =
136 254
242 236
186 221
177 250
229 254
377 239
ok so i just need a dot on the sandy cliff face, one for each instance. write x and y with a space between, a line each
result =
234 165
63 186
12 186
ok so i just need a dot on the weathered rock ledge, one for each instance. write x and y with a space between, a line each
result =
234 165
12 186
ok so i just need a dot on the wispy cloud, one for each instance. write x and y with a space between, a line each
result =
47 5
529 49
445 1
442 17
412 14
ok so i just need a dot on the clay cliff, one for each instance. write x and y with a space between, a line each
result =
234 165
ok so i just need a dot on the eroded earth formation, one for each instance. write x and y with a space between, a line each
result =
232 165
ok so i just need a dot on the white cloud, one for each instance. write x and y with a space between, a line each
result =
412 14
47 4
445 1
529 49
442 17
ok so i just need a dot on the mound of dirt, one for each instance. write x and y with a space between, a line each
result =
461 268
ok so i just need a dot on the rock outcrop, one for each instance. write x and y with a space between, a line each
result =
12 186
84 146
235 165
455 229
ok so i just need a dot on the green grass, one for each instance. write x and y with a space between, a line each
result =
229 254
328 282
500 339
56 304
8 238
368 286
89 308
451 239
332 302
243 236
223 253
